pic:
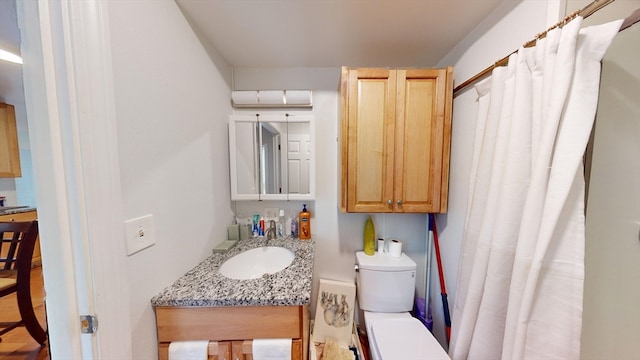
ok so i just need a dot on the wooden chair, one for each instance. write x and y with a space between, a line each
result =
20 237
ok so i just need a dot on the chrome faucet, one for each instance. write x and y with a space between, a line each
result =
271 232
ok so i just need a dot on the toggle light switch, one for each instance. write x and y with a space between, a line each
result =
139 233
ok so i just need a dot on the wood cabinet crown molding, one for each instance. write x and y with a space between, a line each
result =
9 151
395 139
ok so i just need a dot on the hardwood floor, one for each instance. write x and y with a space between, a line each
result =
17 344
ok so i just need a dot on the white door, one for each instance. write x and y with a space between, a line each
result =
70 111
611 315
298 160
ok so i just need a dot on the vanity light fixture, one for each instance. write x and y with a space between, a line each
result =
272 98
7 56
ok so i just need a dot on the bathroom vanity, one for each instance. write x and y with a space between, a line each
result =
203 304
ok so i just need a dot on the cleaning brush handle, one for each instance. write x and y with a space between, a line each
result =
443 290
447 317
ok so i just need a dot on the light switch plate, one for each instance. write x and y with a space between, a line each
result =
139 233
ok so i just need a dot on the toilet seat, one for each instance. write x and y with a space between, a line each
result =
403 338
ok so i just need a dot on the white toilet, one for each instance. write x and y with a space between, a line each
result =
385 288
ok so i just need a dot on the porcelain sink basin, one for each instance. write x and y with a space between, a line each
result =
255 263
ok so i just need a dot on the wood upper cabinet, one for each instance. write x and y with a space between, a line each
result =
396 133
9 154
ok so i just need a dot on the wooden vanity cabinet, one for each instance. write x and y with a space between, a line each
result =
9 153
395 134
230 330
36 259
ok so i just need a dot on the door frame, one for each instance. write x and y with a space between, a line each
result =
72 126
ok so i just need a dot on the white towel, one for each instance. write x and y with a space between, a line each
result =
189 350
271 349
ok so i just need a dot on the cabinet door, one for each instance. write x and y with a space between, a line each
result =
421 123
237 353
217 350
272 157
224 351
9 154
396 139
369 144
244 142
242 350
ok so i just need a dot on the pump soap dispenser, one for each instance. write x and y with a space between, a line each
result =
305 223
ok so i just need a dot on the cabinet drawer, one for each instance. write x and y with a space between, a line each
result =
229 323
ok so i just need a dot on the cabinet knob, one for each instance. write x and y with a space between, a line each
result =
399 202
390 202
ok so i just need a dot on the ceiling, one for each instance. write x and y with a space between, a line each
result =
314 33
330 33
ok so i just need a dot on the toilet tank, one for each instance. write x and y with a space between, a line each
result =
385 283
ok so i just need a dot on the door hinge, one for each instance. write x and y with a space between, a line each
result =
88 324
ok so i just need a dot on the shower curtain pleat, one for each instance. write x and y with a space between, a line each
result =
491 93
534 206
519 290
508 213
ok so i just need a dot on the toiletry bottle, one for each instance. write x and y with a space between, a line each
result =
304 224
256 221
287 226
369 237
281 224
233 230
262 227
294 228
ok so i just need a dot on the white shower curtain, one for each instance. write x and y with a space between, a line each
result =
520 284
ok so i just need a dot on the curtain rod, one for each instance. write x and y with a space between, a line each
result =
584 12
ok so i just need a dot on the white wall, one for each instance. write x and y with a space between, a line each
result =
172 103
338 236
507 28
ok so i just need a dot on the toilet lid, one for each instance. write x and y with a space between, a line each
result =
406 339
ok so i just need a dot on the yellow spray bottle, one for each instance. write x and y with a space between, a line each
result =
369 237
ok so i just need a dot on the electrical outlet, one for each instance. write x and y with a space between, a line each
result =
139 233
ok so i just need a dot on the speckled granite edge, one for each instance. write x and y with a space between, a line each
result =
16 210
204 285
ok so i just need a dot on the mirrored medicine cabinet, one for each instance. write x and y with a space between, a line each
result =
272 157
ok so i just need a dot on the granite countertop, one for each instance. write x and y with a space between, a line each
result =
204 285
7 210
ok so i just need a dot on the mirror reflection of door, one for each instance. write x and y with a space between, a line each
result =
271 157
298 157
270 164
